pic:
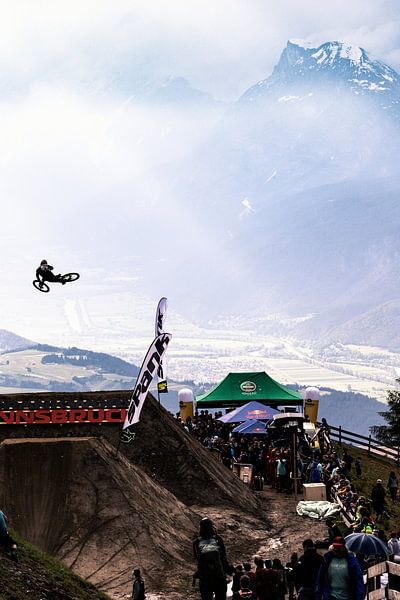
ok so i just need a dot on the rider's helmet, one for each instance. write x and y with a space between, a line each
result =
44 262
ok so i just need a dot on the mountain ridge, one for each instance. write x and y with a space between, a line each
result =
338 62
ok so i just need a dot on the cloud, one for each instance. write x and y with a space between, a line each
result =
89 174
222 47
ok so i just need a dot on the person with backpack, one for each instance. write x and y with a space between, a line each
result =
138 592
212 564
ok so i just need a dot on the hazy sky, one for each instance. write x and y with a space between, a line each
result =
222 46
79 155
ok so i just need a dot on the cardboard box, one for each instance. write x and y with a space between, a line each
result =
314 491
244 472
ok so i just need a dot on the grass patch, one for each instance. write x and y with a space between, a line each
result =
40 577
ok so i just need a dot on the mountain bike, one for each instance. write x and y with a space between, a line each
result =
43 286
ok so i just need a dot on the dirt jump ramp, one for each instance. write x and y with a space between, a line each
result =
102 515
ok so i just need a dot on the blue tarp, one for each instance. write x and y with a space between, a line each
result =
251 410
251 427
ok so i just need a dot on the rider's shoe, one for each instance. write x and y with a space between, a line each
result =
63 282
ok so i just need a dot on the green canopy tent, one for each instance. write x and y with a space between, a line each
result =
239 388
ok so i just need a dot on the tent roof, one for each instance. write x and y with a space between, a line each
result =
250 411
240 388
251 427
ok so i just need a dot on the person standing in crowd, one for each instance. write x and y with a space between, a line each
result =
138 592
267 580
291 568
236 579
333 530
341 577
348 460
378 499
324 425
282 584
209 551
251 575
307 571
393 485
245 593
394 544
281 474
6 540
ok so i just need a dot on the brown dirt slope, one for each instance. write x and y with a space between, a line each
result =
99 514
166 452
180 463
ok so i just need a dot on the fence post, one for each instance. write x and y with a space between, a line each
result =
369 445
340 435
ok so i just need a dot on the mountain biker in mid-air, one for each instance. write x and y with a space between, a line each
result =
44 273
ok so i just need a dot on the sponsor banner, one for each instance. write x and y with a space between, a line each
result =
159 329
60 416
162 387
149 368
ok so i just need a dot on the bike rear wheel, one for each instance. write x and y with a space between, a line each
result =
70 277
42 287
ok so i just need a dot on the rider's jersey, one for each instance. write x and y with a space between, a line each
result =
43 270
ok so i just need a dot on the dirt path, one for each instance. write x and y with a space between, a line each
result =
276 534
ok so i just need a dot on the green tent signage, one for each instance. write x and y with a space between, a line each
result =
238 388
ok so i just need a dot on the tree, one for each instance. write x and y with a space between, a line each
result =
390 433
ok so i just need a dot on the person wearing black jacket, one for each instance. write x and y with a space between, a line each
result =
138 586
44 272
378 499
307 570
212 564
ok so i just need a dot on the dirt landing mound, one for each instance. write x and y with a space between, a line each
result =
100 514
180 463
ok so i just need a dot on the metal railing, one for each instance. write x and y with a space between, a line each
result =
340 435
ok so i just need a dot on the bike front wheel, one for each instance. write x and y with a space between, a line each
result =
70 277
42 287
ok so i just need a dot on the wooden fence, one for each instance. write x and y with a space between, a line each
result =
375 590
339 435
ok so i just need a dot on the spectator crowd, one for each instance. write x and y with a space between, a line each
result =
312 575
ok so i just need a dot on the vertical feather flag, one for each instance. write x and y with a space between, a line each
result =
162 386
148 369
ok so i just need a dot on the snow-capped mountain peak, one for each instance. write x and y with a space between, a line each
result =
329 52
331 64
